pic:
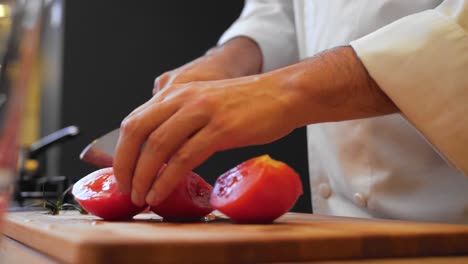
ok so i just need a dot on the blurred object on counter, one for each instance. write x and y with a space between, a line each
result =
33 183
11 100
28 72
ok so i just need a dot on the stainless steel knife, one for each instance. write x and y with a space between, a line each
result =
100 152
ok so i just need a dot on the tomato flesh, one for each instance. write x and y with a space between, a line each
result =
99 194
189 201
257 191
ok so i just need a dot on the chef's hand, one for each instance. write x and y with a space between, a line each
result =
238 57
186 123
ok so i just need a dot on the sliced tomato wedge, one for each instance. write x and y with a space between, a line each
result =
257 191
99 194
190 201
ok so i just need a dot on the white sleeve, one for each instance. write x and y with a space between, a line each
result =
421 63
270 23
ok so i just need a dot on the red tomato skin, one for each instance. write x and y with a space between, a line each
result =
264 189
190 200
110 203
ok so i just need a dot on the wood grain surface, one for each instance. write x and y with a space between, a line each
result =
74 238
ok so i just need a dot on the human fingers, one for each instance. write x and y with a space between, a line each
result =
134 130
159 147
196 150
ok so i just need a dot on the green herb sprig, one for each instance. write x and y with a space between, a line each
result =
54 208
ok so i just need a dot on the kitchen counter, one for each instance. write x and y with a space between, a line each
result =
73 238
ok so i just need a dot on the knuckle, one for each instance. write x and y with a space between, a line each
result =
170 92
161 81
130 125
163 78
157 82
205 101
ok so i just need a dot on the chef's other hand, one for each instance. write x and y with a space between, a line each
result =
237 57
184 124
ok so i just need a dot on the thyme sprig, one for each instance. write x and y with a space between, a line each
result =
54 208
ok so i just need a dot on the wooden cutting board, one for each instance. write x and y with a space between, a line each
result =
74 238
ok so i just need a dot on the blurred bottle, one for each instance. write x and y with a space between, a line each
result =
9 119
19 34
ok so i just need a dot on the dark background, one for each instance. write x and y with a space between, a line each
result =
113 50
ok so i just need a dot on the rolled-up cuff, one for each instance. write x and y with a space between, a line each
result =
421 63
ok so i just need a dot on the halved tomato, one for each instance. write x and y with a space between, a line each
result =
190 200
257 191
99 194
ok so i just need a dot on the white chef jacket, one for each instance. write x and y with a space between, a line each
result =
407 166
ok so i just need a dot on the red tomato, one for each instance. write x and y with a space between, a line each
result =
99 194
257 191
189 201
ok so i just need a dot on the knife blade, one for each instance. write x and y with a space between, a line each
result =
100 152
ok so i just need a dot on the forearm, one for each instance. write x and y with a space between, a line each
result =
332 86
238 57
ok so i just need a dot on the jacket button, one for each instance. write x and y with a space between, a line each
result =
324 190
360 199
